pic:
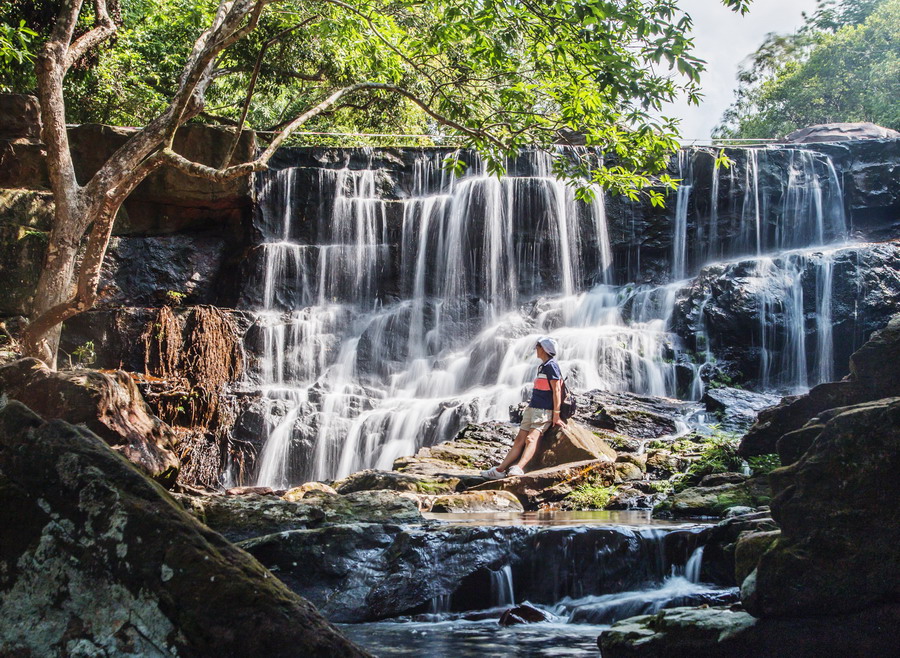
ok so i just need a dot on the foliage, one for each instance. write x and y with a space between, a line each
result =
764 464
15 44
85 354
589 497
175 297
719 455
493 75
843 66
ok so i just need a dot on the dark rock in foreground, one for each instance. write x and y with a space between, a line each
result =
108 404
837 508
97 560
721 632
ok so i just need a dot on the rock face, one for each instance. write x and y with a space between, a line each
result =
840 132
20 116
730 309
108 404
836 553
780 428
737 409
97 560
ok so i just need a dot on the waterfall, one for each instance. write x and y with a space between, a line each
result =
502 587
396 302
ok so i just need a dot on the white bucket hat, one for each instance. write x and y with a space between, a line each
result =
548 344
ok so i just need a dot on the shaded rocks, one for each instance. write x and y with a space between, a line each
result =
244 517
716 500
572 443
20 116
108 404
97 560
871 378
405 568
731 632
836 508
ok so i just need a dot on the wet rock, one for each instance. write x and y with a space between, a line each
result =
737 409
244 517
552 484
718 555
725 302
405 568
714 501
632 496
372 480
572 443
730 632
524 613
106 564
108 404
477 501
837 552
840 132
871 378
309 489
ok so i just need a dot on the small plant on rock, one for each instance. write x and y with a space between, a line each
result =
589 497
174 297
764 464
719 456
85 355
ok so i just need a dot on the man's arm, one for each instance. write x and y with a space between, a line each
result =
556 388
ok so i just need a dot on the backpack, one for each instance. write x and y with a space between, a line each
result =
568 406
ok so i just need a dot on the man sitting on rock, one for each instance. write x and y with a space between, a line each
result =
539 415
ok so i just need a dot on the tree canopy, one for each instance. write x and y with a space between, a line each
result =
843 65
495 75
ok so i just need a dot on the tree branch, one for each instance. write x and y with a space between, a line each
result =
104 27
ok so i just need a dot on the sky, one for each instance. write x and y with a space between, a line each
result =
724 39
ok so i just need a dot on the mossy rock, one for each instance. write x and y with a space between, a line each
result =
715 501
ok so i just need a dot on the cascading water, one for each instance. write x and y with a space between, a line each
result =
398 302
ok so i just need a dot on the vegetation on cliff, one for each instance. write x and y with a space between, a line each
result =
843 65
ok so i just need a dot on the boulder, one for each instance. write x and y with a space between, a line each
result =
311 489
108 404
838 547
634 496
749 548
244 517
840 132
552 484
870 378
20 116
572 443
476 501
714 501
730 632
373 480
524 613
664 464
98 560
629 414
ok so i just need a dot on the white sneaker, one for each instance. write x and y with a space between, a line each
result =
514 470
493 474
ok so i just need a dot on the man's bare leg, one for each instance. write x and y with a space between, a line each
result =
531 443
514 452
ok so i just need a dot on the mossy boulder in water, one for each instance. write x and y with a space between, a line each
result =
716 500
98 560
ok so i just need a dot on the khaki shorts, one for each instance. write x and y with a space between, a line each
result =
536 419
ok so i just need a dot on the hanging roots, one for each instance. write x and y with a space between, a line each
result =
188 368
